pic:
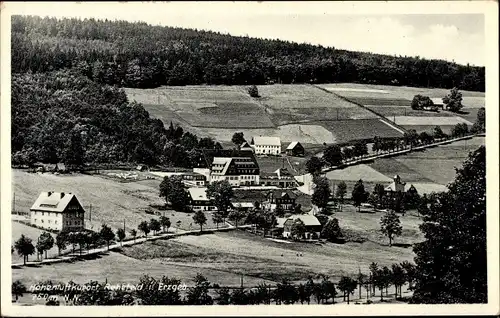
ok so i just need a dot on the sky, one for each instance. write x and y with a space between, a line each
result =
447 33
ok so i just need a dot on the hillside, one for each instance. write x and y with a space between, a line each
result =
144 56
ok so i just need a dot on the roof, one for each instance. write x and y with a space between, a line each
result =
307 219
272 141
437 100
245 145
210 154
281 193
280 222
198 194
53 201
392 187
243 205
292 145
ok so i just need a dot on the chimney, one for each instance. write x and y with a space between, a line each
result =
49 193
62 195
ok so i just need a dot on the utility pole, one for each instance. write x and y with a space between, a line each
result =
14 202
241 280
90 212
123 224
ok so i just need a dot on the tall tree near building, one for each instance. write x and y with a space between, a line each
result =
359 194
221 193
453 100
451 262
120 233
107 234
24 247
390 225
237 139
200 219
333 155
341 192
322 193
314 165
144 228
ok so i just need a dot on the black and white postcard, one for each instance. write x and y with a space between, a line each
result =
249 158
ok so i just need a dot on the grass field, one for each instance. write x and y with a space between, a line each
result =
447 129
113 201
347 130
431 120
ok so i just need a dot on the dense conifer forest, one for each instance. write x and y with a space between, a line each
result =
144 56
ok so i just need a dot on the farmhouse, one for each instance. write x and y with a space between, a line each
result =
266 145
280 178
398 186
438 102
57 211
312 224
295 149
246 147
237 167
198 200
283 199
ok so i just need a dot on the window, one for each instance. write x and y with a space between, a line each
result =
55 221
34 221
42 221
43 213
49 221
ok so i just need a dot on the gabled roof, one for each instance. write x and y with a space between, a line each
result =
53 201
292 145
437 101
270 141
210 154
245 145
280 222
392 187
198 194
307 219
282 193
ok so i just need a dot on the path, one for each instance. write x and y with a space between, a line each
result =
75 256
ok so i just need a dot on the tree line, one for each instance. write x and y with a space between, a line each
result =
65 117
144 56
320 289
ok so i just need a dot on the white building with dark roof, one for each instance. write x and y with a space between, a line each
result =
266 145
198 200
58 211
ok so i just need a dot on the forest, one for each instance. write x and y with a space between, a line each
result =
144 56
62 116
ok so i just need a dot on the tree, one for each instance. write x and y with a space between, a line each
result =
321 194
217 218
451 261
81 240
373 275
390 225
24 247
347 285
133 232
154 225
459 130
221 193
347 153
223 296
61 241
379 192
165 222
331 231
154 295
144 228
420 102
314 165
18 289
411 137
107 234
362 281
286 292
298 229
438 133
410 273
327 289
175 192
165 188
46 242
398 278
236 215
199 294
359 194
279 212
341 192
237 139
453 100
253 91
120 233
200 219
333 155
360 148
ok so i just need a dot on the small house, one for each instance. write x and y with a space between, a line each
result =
142 168
283 199
295 149
311 223
57 211
438 102
198 200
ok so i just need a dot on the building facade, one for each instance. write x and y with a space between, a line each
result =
58 211
279 178
295 149
266 145
198 200
311 223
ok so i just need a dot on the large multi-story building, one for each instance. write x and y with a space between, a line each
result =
58 211
239 168
266 145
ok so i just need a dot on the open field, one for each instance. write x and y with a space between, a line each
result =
447 129
403 111
347 130
357 172
112 200
112 268
204 106
420 120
